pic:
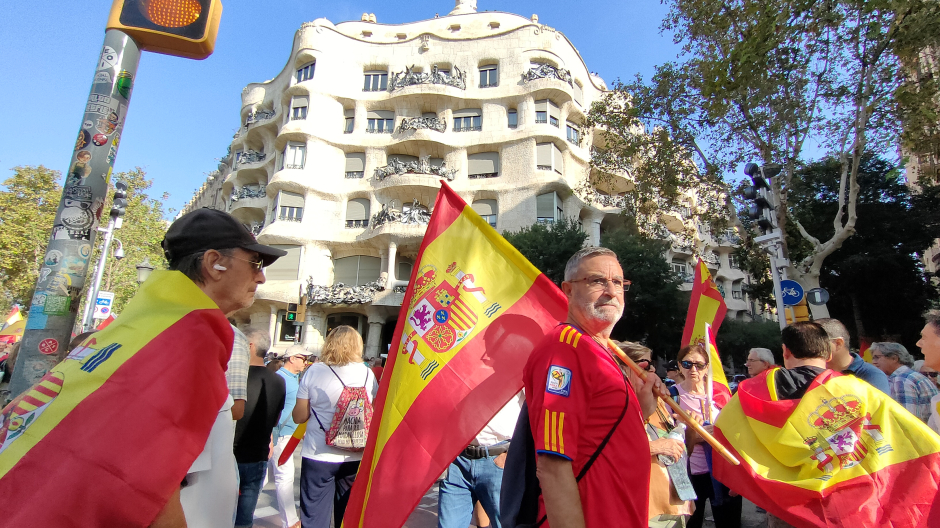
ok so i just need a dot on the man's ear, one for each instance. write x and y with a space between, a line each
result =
786 353
566 288
210 259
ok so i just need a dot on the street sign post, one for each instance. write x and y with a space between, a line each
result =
103 305
792 292
817 296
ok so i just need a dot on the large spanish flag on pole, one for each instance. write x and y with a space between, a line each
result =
109 433
845 454
706 312
474 310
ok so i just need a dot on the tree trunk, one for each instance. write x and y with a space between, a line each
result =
809 281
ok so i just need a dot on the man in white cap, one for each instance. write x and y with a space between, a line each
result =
295 360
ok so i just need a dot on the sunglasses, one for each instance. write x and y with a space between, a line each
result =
689 364
931 374
256 264
646 364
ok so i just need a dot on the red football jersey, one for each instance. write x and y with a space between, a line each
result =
575 393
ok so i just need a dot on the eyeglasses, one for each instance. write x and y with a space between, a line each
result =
257 265
646 365
749 360
689 364
876 356
600 284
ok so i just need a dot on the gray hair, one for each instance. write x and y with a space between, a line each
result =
592 251
834 329
191 265
897 350
763 354
933 320
261 339
918 364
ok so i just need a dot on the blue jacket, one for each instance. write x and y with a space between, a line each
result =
869 373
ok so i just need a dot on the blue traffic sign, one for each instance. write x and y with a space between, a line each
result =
792 292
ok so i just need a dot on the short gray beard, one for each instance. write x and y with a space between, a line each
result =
591 311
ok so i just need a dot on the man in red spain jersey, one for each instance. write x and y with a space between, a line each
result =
578 397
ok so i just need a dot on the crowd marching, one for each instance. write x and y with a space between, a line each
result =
594 438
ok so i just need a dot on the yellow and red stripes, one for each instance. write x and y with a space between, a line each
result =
569 336
555 432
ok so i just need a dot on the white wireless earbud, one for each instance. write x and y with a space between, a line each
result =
219 267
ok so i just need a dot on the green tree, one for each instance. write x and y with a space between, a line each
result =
28 205
772 81
549 246
655 306
141 233
736 338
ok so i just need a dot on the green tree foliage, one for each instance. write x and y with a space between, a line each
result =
655 306
141 233
28 205
549 246
736 338
763 80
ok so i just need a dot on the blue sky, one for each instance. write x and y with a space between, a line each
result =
183 112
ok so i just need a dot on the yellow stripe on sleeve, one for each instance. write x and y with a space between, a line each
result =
554 431
548 430
561 337
577 338
561 438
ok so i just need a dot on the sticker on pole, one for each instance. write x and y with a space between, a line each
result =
792 292
103 305
48 346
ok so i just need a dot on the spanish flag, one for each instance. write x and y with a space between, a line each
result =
474 310
14 317
706 312
845 454
109 433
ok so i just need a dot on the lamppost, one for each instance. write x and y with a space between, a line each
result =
144 269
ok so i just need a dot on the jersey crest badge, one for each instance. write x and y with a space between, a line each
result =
559 381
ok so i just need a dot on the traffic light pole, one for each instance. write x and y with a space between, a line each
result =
54 305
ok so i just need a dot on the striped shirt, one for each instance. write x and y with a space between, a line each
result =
237 373
913 391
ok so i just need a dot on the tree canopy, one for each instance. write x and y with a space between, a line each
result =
549 246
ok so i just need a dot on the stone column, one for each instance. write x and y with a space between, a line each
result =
392 251
314 330
374 340
591 222
272 324
384 254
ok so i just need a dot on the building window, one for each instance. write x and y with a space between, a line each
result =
734 261
578 94
679 267
290 206
350 116
298 105
380 122
286 267
294 156
470 119
513 118
306 73
483 165
356 270
548 157
288 331
548 208
574 135
489 76
403 271
487 210
299 112
546 111
357 213
355 164
376 81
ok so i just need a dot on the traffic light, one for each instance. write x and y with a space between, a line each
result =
119 204
291 312
302 309
184 28
761 209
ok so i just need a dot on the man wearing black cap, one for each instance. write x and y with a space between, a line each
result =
224 260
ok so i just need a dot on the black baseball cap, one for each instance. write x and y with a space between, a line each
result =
672 365
205 229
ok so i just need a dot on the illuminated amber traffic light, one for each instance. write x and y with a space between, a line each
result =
185 28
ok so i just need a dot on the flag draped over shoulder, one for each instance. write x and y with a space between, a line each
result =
706 312
109 433
845 454
474 311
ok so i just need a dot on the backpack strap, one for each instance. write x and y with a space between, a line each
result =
339 378
314 410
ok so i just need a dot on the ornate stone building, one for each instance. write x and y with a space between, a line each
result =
339 156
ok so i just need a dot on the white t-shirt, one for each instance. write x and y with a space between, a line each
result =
210 499
934 420
322 388
501 427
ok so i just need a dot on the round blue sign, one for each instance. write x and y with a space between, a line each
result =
792 292
441 316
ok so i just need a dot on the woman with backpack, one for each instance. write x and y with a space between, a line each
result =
336 395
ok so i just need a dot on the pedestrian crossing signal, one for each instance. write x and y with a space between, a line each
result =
184 28
291 312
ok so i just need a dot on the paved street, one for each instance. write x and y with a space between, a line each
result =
425 515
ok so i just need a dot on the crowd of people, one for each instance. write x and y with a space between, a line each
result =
589 416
